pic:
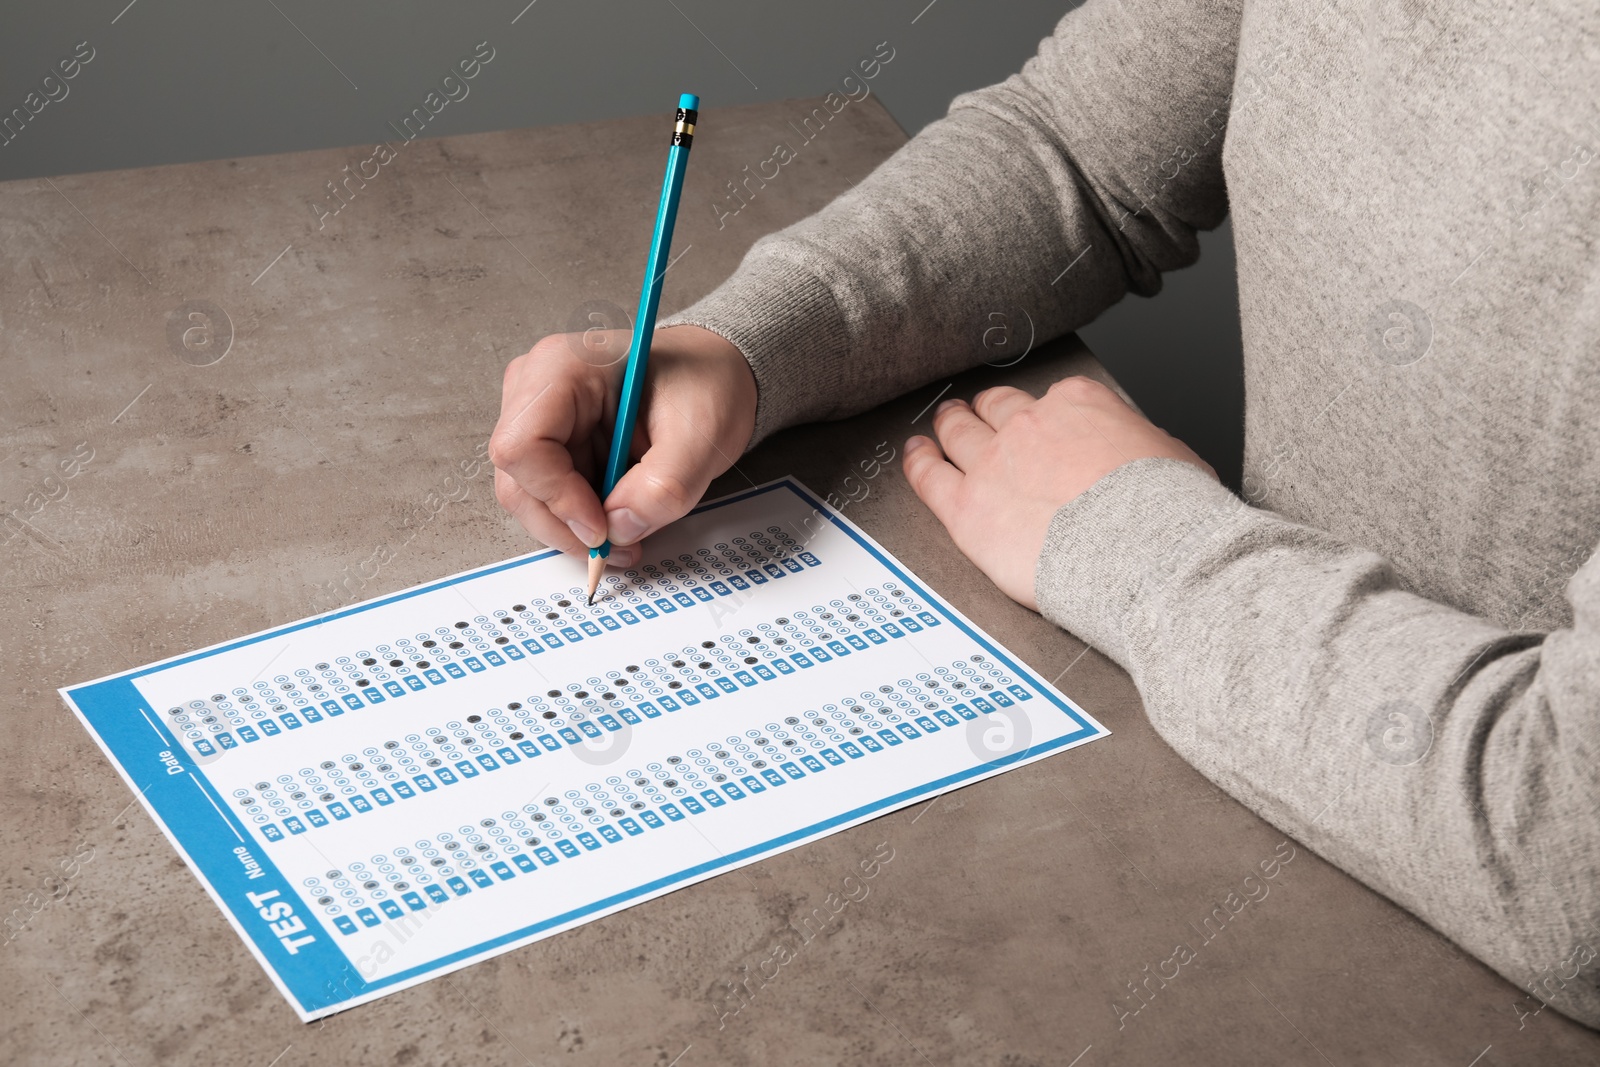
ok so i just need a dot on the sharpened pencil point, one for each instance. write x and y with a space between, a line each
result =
597 567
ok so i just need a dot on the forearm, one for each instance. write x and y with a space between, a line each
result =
1052 194
1445 762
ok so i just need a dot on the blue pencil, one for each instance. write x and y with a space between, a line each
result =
644 323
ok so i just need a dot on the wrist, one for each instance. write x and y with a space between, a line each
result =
730 377
1115 556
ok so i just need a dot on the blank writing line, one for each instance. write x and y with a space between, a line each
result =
226 821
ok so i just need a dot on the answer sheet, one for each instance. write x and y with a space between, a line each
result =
389 792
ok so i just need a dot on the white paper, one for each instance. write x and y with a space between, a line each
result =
366 837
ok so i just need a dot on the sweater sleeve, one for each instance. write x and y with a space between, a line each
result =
1447 763
1055 192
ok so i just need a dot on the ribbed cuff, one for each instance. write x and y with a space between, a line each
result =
1112 556
785 321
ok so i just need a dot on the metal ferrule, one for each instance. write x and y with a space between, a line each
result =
683 127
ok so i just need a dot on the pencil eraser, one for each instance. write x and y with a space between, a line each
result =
689 102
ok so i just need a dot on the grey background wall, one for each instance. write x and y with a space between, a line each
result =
179 80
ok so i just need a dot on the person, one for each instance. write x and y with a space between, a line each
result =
1388 645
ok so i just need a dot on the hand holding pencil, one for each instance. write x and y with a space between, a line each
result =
696 412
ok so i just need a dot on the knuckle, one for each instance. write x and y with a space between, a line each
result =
514 367
1079 388
1025 420
503 447
548 346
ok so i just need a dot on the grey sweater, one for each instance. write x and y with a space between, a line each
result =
1390 648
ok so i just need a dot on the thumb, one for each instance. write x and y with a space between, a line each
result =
661 488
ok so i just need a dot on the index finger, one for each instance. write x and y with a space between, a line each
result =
532 445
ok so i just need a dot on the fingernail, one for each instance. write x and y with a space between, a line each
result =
624 556
585 533
946 406
625 526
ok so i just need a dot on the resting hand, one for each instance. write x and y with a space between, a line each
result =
1006 463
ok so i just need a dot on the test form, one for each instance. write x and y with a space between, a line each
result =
385 793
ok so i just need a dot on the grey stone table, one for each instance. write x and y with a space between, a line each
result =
227 406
